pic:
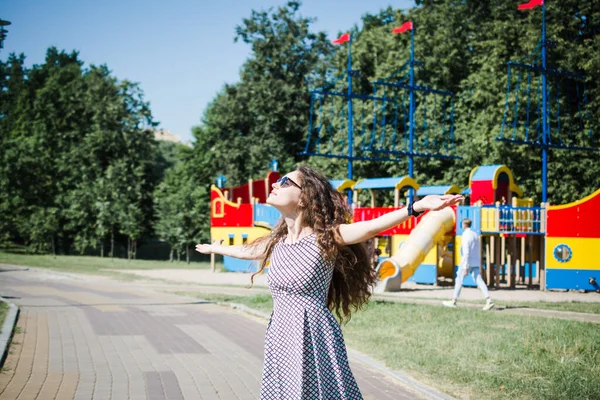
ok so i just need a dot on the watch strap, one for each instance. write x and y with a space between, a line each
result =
411 210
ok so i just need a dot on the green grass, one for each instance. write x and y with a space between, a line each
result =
95 265
3 312
470 353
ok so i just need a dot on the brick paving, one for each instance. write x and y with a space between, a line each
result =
78 339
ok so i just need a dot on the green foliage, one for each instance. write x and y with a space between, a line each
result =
79 167
169 154
464 46
181 210
41 228
264 116
78 159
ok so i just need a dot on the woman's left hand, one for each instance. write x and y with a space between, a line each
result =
434 202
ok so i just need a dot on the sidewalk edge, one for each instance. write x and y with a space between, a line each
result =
8 329
245 309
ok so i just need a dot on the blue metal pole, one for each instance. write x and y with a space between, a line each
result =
544 112
411 110
350 117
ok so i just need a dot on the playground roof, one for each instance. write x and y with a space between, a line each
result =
439 190
387 183
492 173
342 184
487 172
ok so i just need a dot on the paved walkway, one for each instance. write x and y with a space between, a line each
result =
204 281
80 339
409 289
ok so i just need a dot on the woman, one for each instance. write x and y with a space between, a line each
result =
317 264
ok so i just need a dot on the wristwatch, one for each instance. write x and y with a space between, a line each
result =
411 210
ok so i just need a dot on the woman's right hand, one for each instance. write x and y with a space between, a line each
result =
207 248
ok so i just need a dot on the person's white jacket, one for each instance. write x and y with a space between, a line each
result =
470 250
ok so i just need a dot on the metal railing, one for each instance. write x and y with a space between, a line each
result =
504 219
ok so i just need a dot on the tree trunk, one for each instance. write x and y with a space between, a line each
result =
102 248
187 253
178 255
171 255
128 248
112 244
135 249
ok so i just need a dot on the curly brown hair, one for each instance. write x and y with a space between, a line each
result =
323 209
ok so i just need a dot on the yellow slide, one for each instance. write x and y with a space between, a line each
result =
402 265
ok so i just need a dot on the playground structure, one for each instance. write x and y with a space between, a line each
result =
547 247
410 254
407 119
572 244
239 215
551 247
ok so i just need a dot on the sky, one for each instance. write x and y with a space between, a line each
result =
181 52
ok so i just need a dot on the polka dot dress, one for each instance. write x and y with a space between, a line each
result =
305 355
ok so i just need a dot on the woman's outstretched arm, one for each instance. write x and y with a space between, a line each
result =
363 230
244 252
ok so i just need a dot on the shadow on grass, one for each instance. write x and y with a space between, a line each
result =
4 269
516 307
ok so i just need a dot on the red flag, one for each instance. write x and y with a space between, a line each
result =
407 26
342 39
530 5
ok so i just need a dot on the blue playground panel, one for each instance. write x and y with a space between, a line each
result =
425 273
266 214
378 183
574 279
236 265
438 190
525 274
471 212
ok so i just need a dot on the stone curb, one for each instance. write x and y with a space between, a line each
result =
7 329
408 381
245 309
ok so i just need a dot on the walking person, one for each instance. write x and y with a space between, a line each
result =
318 265
470 250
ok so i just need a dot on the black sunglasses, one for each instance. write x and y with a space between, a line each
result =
285 181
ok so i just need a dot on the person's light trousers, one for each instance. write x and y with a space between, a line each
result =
474 271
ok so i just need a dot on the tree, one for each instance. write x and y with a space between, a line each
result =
265 115
181 210
64 129
464 46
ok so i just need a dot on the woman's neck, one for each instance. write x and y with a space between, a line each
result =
295 229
